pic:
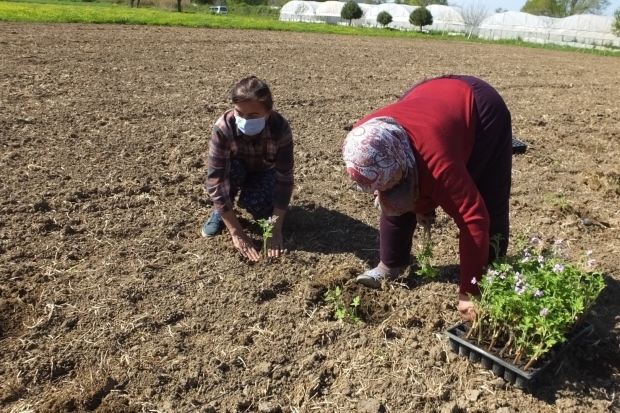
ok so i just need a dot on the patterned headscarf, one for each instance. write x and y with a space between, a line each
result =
374 153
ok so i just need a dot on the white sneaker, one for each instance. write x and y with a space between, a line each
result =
371 278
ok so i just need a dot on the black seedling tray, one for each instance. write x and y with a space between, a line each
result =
518 146
501 368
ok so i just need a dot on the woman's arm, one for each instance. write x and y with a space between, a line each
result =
218 187
284 165
459 197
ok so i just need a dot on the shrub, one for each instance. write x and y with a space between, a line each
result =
384 18
421 17
351 11
616 26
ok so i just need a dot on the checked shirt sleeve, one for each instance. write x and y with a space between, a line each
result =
218 183
284 169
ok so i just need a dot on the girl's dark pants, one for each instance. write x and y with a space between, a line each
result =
257 189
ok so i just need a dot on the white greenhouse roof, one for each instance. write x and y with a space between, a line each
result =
300 7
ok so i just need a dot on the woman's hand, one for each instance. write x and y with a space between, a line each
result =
466 307
245 246
426 220
275 245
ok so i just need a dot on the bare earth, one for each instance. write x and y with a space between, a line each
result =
110 300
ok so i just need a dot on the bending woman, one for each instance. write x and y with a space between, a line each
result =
448 143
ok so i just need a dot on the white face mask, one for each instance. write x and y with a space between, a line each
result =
250 127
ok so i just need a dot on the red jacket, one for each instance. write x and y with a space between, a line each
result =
440 119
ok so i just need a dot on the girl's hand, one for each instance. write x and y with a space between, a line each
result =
245 246
275 244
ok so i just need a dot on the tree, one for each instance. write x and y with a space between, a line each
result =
179 6
384 18
425 3
351 11
473 14
616 26
564 8
500 10
421 17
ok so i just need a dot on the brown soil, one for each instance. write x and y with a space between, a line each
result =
110 300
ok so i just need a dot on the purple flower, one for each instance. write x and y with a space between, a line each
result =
558 241
589 252
544 312
521 290
474 281
538 293
557 268
535 241
590 263
502 276
493 272
526 258
541 259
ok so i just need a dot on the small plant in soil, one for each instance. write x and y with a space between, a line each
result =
425 257
267 227
533 301
343 311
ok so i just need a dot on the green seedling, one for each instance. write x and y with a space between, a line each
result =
425 257
341 310
267 227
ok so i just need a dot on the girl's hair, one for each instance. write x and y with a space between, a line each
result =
252 88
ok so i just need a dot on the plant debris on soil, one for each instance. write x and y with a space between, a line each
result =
111 301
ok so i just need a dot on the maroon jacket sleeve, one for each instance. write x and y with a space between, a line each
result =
457 195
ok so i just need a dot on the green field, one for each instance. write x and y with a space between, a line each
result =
52 11
69 12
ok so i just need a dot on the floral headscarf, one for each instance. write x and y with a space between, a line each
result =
374 153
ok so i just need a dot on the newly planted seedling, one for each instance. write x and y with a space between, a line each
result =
425 256
267 227
343 311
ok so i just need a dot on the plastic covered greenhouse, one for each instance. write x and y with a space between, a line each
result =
446 18
584 29
299 11
329 12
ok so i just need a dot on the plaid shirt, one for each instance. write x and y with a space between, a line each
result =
272 148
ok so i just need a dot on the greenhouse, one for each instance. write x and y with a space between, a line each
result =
585 29
329 12
446 19
580 30
299 11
